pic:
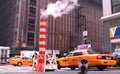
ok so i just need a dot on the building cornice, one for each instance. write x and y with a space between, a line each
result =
110 17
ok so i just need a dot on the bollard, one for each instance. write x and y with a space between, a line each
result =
83 66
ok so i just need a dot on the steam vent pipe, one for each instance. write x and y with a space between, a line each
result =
42 34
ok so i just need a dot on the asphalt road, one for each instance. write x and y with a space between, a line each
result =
66 72
9 69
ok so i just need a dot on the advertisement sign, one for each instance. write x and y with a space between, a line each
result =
115 31
84 46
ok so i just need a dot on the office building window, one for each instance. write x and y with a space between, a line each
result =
33 2
115 6
32 12
31 21
30 35
30 39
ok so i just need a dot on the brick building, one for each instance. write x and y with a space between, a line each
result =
20 25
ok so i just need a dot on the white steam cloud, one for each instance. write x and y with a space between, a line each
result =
59 8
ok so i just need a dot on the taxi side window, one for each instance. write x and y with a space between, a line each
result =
23 57
26 58
90 51
77 54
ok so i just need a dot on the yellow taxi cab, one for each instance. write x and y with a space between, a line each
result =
73 58
20 61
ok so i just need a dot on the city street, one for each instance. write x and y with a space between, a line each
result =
38 35
9 69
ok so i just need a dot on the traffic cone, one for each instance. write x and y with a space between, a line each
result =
40 65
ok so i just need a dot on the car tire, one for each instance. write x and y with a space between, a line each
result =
101 68
19 64
58 65
72 68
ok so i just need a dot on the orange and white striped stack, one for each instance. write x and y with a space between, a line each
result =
42 35
42 45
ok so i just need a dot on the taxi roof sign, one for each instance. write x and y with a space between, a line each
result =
84 46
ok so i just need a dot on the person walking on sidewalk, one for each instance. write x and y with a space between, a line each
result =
35 59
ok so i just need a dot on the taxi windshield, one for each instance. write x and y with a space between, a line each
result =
69 55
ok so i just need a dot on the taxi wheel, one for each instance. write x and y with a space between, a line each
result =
72 68
58 65
19 64
101 68
14 64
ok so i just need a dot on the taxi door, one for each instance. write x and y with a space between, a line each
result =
77 56
26 61
23 60
67 60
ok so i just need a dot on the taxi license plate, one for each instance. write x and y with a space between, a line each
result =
109 58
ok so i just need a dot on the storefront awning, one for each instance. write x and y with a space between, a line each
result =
115 40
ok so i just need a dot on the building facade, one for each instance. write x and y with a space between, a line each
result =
21 18
111 20
63 33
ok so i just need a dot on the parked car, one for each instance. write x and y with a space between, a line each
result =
73 58
20 61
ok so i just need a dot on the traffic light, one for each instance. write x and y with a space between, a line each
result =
59 36
17 42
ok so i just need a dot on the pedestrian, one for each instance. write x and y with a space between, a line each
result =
35 60
83 66
47 60
115 56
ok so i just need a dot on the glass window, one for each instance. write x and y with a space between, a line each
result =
33 1
30 40
77 54
115 2
32 21
115 6
116 9
90 51
30 34
32 25
30 43
30 28
69 55
32 10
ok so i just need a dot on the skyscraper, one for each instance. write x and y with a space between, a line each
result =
20 25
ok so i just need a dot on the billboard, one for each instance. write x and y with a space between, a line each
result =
115 32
